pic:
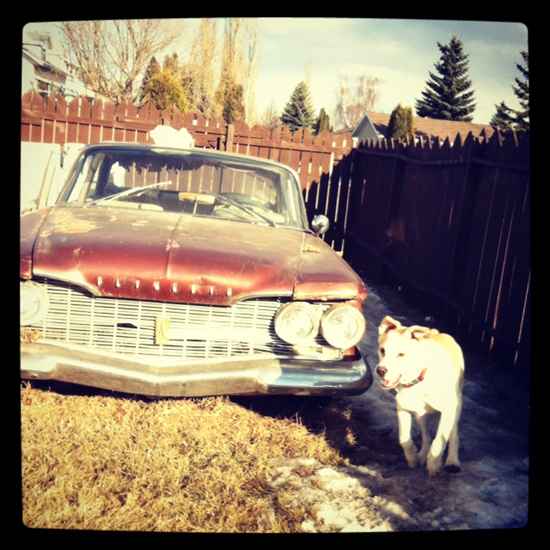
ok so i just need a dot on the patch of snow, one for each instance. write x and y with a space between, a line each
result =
170 137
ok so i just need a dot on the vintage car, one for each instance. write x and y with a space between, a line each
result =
170 271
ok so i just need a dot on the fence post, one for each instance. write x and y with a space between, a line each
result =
393 213
460 260
229 136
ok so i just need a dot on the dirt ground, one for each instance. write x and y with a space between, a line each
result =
378 492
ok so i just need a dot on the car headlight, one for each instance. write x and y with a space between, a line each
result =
33 303
342 326
297 322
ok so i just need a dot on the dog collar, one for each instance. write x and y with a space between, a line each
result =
410 384
416 380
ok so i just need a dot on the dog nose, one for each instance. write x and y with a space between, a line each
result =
381 371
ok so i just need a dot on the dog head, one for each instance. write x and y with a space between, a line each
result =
399 352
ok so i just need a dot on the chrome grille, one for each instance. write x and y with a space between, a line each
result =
127 326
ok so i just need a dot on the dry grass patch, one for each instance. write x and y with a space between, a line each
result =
115 463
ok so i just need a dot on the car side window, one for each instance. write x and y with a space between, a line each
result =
86 181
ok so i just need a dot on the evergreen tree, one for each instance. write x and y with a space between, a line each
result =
152 69
522 93
298 112
400 125
323 123
230 97
165 89
506 118
448 95
503 119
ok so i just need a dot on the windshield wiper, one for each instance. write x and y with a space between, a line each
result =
128 192
243 208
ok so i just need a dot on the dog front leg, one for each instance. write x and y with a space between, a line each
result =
452 464
447 422
422 423
404 419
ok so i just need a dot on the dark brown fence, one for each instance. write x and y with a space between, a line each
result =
452 222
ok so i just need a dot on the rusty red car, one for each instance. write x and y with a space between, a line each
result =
169 271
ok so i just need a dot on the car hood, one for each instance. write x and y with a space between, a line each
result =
180 258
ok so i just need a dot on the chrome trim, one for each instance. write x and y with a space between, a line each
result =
126 327
75 278
249 376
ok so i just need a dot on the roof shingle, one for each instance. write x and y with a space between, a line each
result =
433 127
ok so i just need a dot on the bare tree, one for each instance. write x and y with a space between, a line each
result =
354 99
271 118
199 71
109 56
250 72
240 62
232 55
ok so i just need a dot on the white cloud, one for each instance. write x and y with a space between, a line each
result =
283 26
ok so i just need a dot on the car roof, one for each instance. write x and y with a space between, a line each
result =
214 153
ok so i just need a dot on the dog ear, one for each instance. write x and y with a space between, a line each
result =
387 324
418 332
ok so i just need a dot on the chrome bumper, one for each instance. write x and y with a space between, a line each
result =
249 376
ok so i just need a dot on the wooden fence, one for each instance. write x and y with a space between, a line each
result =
452 222
53 120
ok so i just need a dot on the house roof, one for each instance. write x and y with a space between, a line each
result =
365 130
433 127
42 63
72 84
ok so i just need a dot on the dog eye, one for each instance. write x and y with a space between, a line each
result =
382 351
400 355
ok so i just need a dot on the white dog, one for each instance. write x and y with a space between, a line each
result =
425 369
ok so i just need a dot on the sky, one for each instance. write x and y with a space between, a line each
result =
400 53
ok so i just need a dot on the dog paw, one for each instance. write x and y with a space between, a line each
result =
452 468
433 465
411 456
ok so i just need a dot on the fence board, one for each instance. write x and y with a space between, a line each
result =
515 277
332 196
479 227
342 204
453 222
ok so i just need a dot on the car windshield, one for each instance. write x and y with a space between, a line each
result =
187 182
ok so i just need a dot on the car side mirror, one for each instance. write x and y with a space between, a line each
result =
320 224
